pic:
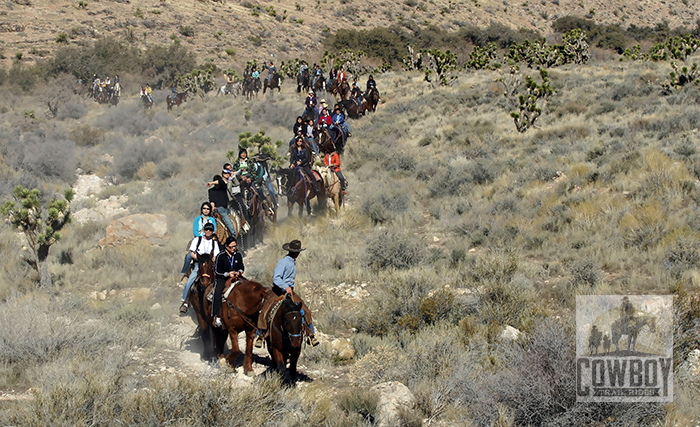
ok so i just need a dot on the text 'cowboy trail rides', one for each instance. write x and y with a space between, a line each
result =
624 348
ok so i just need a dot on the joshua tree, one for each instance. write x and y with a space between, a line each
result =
41 229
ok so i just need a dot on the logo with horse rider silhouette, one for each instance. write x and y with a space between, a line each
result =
624 348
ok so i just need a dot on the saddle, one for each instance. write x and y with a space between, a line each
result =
225 294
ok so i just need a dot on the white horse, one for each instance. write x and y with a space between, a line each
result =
117 90
236 88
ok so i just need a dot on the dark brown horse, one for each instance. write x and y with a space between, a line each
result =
147 103
371 100
320 84
300 191
179 99
303 81
285 338
251 87
195 299
104 98
239 313
274 83
354 111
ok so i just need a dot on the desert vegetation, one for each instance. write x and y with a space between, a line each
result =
457 226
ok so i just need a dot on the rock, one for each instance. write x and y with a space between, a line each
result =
690 369
510 333
149 229
392 397
343 349
155 306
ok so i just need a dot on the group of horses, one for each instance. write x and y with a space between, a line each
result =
239 313
106 95
341 91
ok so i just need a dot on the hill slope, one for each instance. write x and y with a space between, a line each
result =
287 28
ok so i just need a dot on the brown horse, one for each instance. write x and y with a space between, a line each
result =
239 313
104 98
147 103
371 100
285 338
320 84
300 191
261 211
195 299
251 87
179 99
333 189
354 111
303 81
274 83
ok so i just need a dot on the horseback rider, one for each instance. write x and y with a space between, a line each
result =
271 70
356 93
243 164
229 83
339 122
309 135
263 177
310 103
331 75
148 93
224 193
255 74
332 160
283 284
198 230
303 68
318 73
341 76
228 265
322 104
371 84
173 90
202 245
144 94
325 119
299 128
300 159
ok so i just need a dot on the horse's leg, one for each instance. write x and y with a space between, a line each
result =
278 364
293 358
248 360
235 349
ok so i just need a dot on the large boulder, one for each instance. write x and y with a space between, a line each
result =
150 229
393 396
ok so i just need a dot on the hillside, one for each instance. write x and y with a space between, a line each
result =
288 29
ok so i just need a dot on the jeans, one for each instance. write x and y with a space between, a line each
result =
313 144
186 265
227 220
271 189
190 281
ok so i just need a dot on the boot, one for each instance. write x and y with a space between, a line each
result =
258 340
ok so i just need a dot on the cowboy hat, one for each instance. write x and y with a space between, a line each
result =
293 246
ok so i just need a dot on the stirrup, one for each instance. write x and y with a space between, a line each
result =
312 340
246 227
258 341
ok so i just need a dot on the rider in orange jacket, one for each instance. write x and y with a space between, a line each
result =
332 160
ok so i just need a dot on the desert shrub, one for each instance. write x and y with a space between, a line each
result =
87 136
539 383
133 154
396 298
72 110
384 206
360 401
168 169
686 325
682 256
106 57
585 272
49 154
382 364
37 330
377 42
161 64
499 34
101 393
392 249
450 180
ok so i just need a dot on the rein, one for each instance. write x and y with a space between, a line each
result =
241 314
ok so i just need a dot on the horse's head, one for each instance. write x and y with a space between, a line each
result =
652 324
291 323
206 270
